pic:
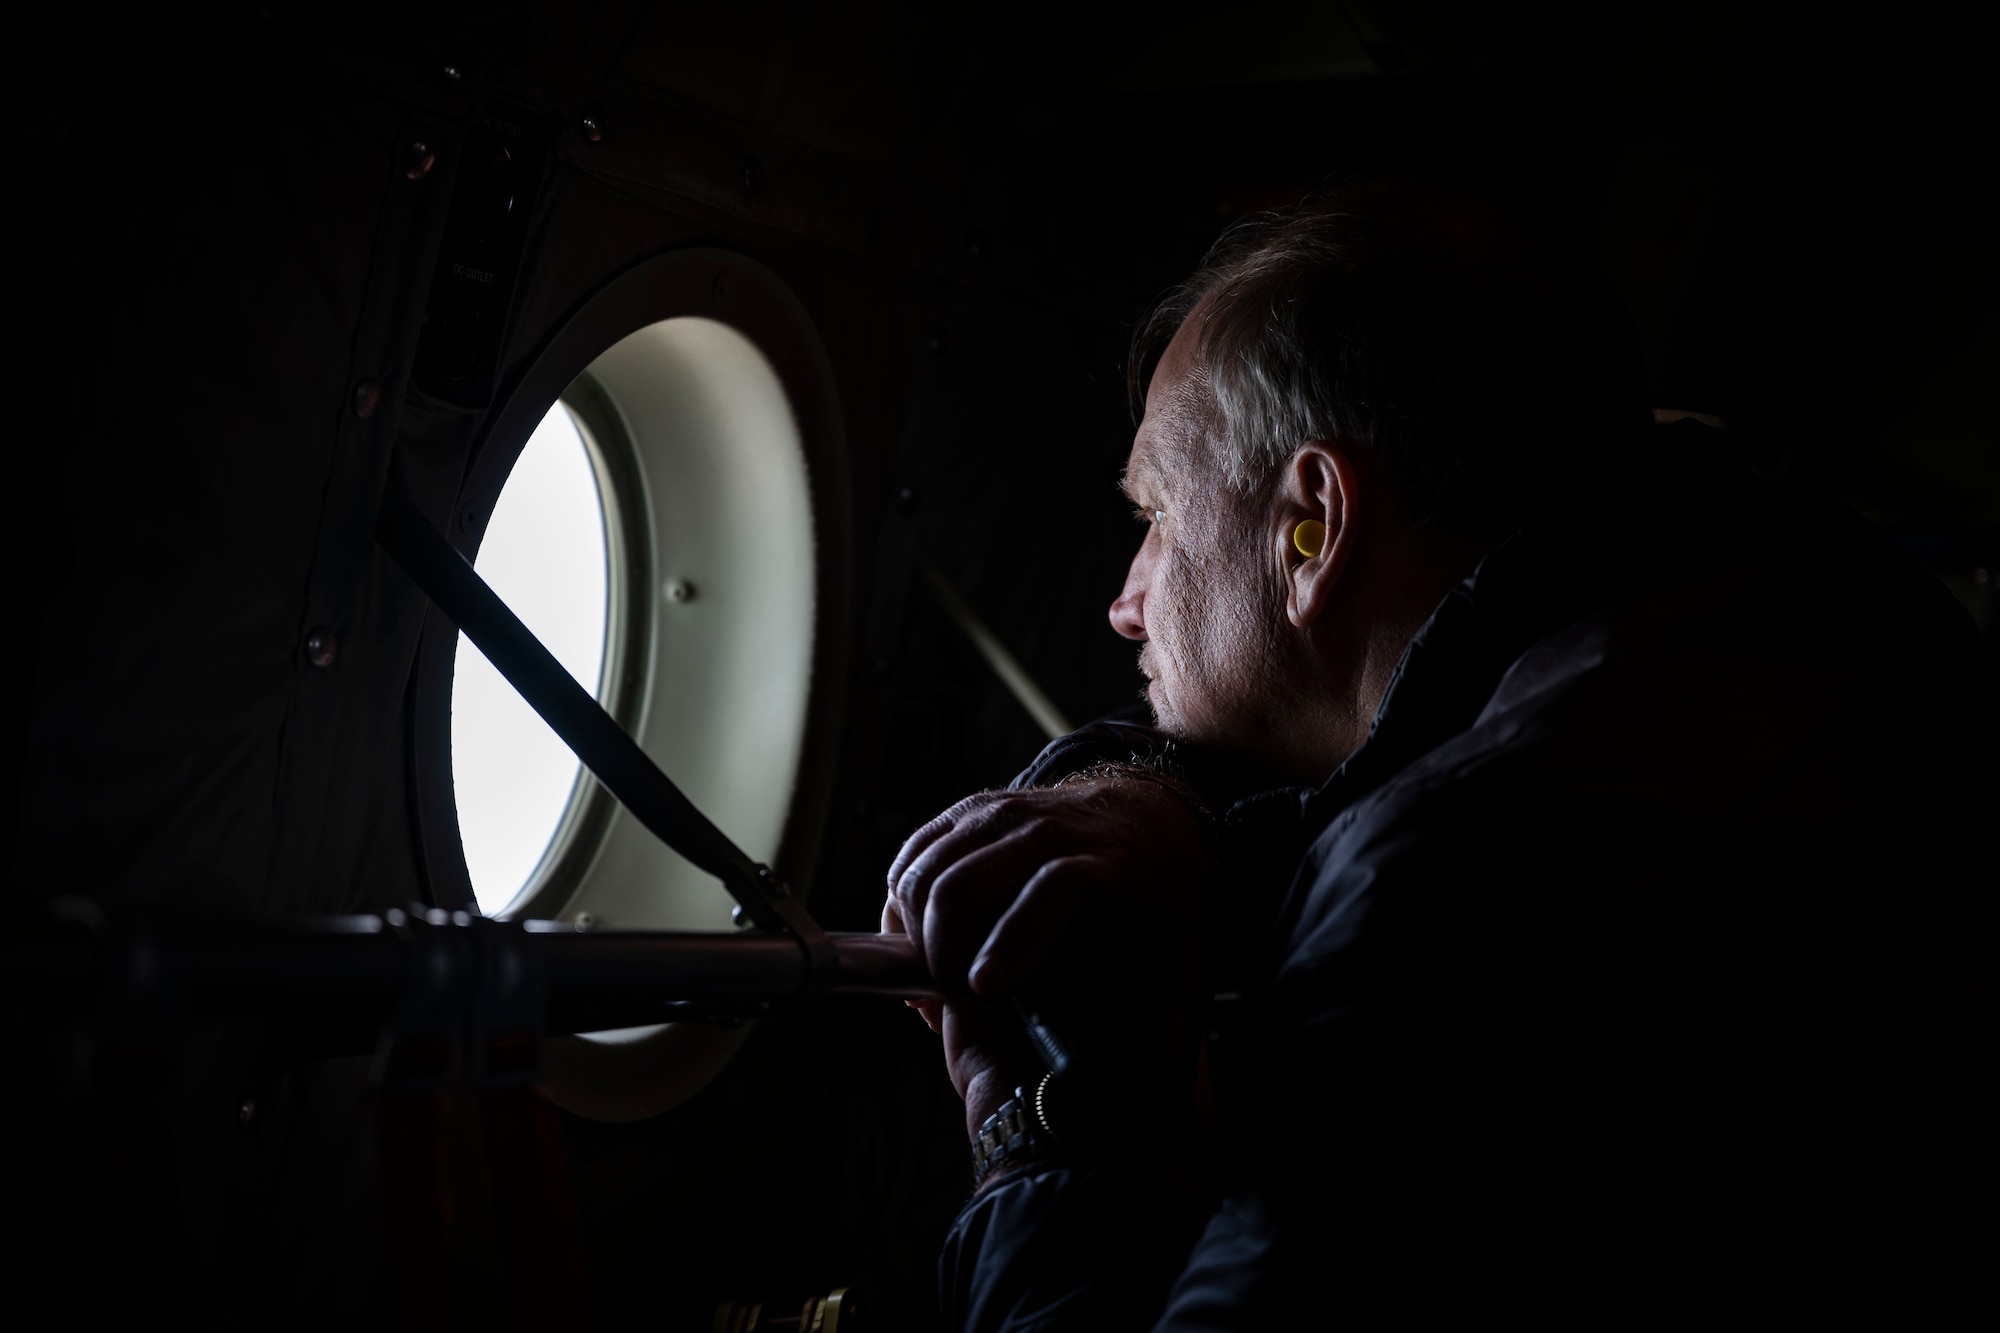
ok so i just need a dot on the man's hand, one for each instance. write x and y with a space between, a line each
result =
1088 895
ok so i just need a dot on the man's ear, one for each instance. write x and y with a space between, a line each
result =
1320 485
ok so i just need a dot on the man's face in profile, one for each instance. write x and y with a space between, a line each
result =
1199 595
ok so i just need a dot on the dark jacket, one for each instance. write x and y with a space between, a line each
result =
1630 967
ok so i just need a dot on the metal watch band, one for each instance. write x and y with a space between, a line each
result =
1011 1134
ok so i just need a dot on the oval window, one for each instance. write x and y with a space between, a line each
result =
657 534
665 496
546 552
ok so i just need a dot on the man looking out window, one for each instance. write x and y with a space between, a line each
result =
1563 813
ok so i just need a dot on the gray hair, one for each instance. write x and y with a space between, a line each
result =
1493 379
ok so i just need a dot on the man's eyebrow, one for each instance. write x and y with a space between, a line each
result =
1135 477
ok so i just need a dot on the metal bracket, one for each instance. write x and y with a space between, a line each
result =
419 1048
509 1006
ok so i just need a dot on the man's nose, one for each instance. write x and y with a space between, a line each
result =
1128 613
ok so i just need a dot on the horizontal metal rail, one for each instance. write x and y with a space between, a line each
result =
354 974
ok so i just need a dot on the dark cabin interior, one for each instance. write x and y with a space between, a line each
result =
237 241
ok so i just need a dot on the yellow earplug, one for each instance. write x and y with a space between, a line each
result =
1309 537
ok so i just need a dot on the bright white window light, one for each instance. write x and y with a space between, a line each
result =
546 554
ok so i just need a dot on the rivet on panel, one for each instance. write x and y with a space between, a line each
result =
418 159
679 590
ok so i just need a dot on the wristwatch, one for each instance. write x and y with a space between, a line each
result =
1175 1143
1015 1133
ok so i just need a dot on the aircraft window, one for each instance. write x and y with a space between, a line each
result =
657 533
546 553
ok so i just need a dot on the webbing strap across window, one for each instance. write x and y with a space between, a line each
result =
591 733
